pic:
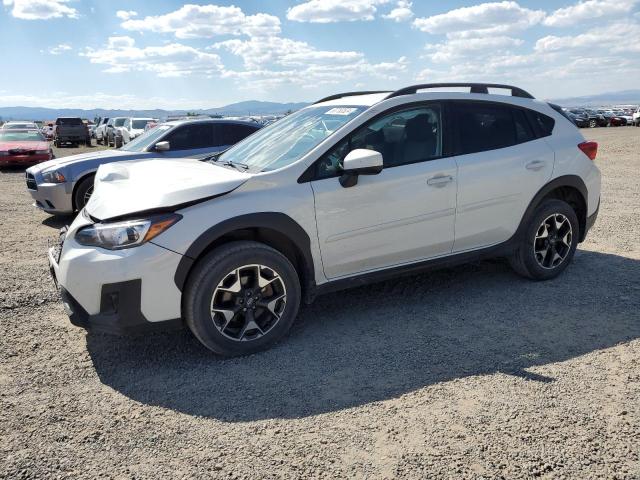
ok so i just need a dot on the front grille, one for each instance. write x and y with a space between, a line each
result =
31 182
21 151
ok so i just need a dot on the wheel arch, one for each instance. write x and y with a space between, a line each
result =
79 180
569 188
277 230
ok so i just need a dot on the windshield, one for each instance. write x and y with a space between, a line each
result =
20 125
118 122
32 136
145 140
287 140
139 124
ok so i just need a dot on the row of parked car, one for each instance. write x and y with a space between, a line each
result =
118 131
604 117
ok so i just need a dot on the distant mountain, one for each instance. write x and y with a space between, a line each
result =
626 97
251 107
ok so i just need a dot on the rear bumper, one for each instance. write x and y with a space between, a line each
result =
590 221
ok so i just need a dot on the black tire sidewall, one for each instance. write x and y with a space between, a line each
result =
81 189
548 208
207 275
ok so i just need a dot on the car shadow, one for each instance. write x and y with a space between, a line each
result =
384 340
58 221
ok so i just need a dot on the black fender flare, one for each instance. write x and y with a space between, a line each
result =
563 181
276 221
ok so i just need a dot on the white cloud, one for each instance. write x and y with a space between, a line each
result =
595 40
93 99
330 11
401 13
277 61
171 60
40 9
589 9
457 48
204 21
58 49
126 14
258 52
494 18
120 42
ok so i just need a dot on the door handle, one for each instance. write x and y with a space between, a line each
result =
440 180
535 165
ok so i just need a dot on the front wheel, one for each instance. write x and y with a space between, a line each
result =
549 243
241 298
593 124
83 192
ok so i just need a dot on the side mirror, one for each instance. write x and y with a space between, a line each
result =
162 146
360 162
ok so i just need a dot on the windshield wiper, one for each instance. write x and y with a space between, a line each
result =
213 157
237 165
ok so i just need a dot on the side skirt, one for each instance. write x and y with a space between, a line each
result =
502 250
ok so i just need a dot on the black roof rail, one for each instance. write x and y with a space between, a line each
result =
474 88
349 94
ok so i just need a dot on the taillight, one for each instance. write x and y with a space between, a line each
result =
590 149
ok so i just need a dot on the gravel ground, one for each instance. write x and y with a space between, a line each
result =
470 372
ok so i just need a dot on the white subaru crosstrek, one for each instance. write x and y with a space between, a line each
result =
354 188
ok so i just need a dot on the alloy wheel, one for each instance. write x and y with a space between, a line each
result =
87 194
553 241
248 302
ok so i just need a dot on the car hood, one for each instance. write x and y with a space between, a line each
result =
25 145
61 162
128 187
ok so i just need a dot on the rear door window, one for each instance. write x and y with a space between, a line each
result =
190 137
230 134
482 127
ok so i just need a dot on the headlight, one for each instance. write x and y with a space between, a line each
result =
42 152
53 176
125 234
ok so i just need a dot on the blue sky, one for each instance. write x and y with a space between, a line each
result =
171 54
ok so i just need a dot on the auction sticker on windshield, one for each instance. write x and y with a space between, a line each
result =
341 111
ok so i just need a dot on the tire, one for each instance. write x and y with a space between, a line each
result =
214 281
593 124
118 143
83 192
530 264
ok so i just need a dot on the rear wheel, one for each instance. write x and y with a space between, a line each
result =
83 192
549 242
241 298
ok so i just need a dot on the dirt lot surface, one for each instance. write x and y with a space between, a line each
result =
471 372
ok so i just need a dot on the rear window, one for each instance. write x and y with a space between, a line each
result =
559 109
69 121
542 124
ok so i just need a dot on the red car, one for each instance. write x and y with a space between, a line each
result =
23 147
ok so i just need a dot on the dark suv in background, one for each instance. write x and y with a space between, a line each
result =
71 130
